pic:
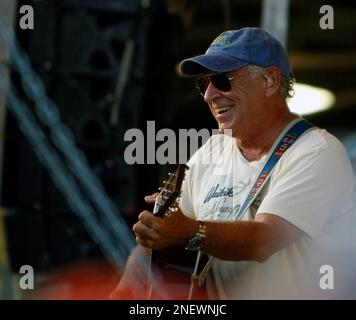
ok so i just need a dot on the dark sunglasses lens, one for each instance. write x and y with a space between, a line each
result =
220 82
202 84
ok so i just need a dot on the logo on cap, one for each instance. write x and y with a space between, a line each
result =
223 39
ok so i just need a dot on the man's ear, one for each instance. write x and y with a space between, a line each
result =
273 80
269 81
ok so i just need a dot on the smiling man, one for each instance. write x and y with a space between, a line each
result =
301 220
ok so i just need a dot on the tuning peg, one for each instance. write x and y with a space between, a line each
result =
160 188
170 211
171 174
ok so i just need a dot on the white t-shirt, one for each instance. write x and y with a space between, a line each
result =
310 187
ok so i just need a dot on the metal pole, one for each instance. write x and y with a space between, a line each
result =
275 19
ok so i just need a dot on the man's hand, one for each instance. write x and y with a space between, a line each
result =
157 233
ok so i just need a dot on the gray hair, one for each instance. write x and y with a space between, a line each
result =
286 90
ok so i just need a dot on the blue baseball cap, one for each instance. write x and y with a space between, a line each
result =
235 49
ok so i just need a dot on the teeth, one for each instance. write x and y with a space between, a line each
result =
224 109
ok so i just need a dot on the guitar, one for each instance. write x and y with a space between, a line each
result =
171 269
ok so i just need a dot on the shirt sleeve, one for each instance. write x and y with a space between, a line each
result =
308 189
186 199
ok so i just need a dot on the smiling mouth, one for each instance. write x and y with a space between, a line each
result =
225 109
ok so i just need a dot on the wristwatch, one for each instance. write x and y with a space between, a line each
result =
196 242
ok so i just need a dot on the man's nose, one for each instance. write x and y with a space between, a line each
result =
211 93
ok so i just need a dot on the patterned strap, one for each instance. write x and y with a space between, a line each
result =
284 141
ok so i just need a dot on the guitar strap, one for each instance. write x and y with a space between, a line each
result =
285 140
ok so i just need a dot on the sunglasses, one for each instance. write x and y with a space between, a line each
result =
220 81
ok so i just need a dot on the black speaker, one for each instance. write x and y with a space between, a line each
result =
91 56
45 240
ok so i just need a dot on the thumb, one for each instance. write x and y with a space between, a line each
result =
151 198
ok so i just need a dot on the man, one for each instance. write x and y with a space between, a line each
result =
299 228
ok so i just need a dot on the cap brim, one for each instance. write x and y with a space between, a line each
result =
209 62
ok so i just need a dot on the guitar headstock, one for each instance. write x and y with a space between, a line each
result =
167 200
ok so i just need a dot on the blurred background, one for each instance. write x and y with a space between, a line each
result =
109 66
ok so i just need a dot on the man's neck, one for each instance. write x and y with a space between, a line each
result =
256 147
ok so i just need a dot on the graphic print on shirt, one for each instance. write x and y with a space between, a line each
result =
223 202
